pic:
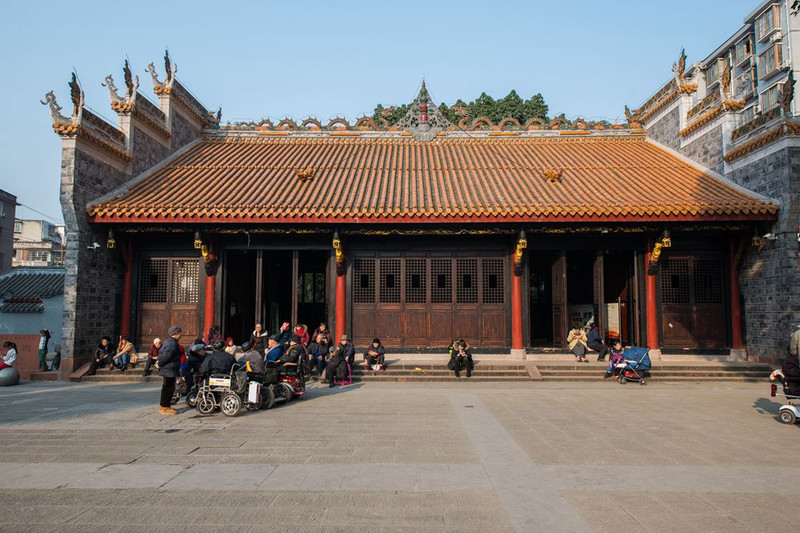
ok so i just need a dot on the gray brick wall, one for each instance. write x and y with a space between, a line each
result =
706 150
770 276
93 280
666 129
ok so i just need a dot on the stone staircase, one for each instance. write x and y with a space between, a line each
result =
663 372
492 368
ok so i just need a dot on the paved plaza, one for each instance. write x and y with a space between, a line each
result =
457 457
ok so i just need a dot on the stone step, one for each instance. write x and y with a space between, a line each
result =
439 378
51 375
119 377
667 373
657 379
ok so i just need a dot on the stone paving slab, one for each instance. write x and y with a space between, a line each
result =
401 457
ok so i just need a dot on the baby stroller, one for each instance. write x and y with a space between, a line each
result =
789 412
635 365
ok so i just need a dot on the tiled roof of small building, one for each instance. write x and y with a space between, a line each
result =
374 177
27 284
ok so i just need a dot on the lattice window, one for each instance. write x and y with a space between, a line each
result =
153 280
675 281
708 281
364 281
390 281
416 281
311 287
493 281
467 281
186 281
441 281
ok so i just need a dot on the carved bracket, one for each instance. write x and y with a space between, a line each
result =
519 254
209 260
340 259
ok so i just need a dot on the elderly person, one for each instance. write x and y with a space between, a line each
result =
347 350
576 339
375 354
327 340
274 349
10 357
152 356
317 350
258 339
169 363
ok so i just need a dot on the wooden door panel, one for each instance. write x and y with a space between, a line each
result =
416 330
441 326
390 326
364 326
493 329
187 317
153 322
710 328
677 327
466 323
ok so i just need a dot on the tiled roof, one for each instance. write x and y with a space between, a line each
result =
22 305
31 283
363 178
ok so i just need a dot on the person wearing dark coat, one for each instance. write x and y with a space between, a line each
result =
194 359
461 358
595 342
102 356
317 350
219 362
347 350
327 340
296 352
375 354
258 339
791 373
336 369
284 335
169 365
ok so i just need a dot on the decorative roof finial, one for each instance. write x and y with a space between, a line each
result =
423 119
76 94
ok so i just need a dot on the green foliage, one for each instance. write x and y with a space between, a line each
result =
511 105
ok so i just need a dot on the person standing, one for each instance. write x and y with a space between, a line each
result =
44 338
258 339
169 363
794 343
11 355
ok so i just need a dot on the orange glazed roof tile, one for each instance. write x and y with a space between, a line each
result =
318 178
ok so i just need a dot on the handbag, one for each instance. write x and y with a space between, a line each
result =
134 358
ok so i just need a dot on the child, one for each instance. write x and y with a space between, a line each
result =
614 358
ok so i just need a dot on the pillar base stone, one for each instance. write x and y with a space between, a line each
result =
738 354
517 353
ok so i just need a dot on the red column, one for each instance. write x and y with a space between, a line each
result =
516 309
737 342
341 307
211 297
127 292
651 307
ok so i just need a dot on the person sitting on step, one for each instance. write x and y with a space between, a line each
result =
102 356
460 358
374 357
152 356
126 353
577 343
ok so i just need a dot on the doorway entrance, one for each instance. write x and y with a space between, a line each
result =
541 298
239 294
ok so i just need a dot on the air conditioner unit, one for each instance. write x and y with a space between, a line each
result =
775 37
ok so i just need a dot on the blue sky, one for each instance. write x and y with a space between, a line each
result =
299 58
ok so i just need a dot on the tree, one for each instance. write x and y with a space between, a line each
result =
511 105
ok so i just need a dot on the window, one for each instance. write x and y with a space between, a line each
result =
747 115
769 99
153 281
466 290
364 273
186 281
442 275
493 281
17 226
389 274
416 286
744 84
712 73
39 255
768 22
770 61
744 49
311 287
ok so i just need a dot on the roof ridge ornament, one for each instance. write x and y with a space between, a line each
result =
419 121
123 104
169 77
679 69
61 124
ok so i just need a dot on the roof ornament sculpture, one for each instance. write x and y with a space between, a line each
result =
422 123
213 119
122 104
169 76
632 117
787 94
679 69
61 124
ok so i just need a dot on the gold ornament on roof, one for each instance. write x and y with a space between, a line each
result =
679 69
